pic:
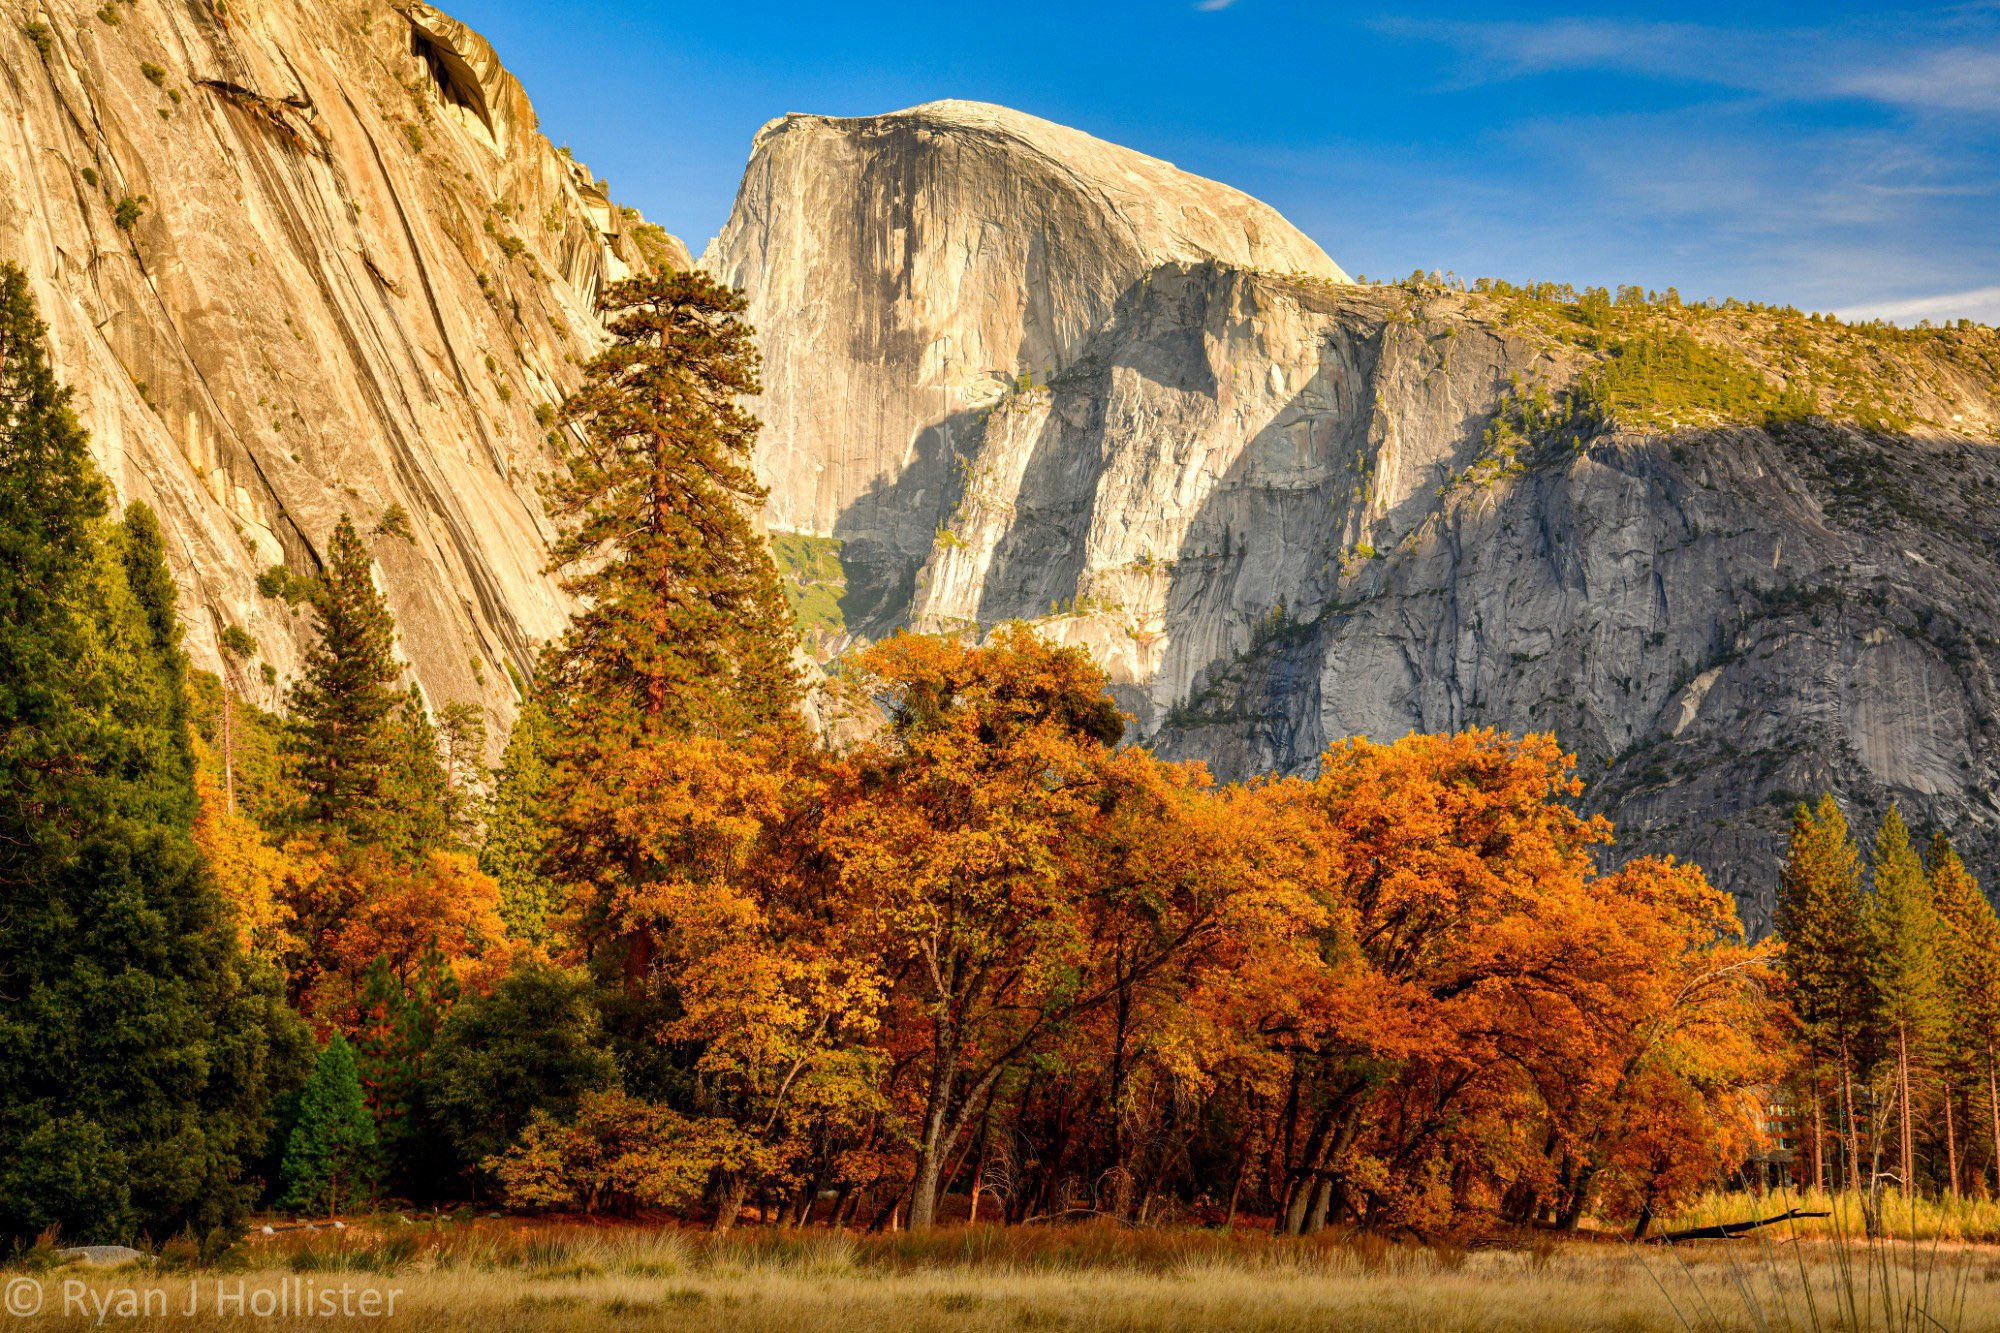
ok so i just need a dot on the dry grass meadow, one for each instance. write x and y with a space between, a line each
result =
493 1276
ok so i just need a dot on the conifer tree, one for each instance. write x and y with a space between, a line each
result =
50 500
685 628
139 1049
1972 983
330 1155
517 827
344 708
1819 919
399 1026
1905 943
421 811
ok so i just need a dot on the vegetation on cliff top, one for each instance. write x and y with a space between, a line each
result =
1654 360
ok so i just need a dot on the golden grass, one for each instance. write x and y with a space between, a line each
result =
1904 1218
495 1278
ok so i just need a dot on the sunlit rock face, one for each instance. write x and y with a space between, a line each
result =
351 274
907 272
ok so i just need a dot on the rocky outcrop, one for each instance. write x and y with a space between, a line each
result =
908 271
1275 510
301 259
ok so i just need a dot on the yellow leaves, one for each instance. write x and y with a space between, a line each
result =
251 874
622 1153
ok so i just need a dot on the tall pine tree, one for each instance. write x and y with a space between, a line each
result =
330 1157
1972 989
683 630
517 826
1905 946
684 627
139 1049
344 708
1820 921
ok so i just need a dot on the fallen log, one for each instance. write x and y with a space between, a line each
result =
1731 1230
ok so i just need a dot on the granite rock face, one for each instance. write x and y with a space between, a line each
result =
906 272
304 258
1270 508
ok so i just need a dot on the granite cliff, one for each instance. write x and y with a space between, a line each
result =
906 272
301 258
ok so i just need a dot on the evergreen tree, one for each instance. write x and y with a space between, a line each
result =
684 630
517 826
1820 921
344 708
330 1156
50 501
536 1044
421 812
139 1049
461 732
399 1027
684 627
1905 946
1972 989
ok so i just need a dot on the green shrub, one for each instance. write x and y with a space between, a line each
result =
44 40
129 211
395 522
280 583
238 643
154 74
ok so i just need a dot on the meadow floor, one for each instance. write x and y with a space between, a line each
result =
495 1277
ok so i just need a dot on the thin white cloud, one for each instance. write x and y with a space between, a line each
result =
1211 6
1981 303
1945 63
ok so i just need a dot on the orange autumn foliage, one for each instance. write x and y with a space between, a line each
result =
991 947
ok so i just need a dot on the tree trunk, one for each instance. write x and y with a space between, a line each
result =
1579 1200
1871 1216
1906 1138
1322 1204
1236 1182
1819 1137
1993 1102
734 1187
979 1175
1950 1144
937 1113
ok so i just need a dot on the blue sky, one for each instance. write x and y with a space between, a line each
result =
1833 155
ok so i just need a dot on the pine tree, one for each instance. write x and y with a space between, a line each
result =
50 501
517 826
344 708
399 1027
1972 982
330 1155
1905 943
139 1049
420 811
685 628
1820 921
